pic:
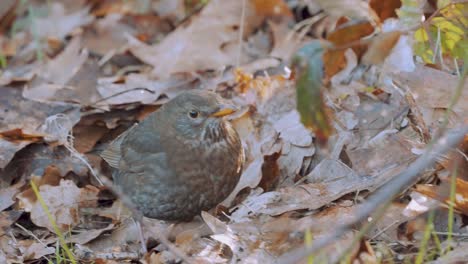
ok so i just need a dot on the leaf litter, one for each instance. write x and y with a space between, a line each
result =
78 75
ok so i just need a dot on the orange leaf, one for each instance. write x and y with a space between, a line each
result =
380 47
272 8
17 134
442 193
385 9
334 59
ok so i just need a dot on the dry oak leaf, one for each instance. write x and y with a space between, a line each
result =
58 24
209 41
62 202
442 193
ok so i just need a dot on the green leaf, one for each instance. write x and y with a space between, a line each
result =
308 66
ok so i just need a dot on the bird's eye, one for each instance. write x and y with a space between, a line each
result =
193 114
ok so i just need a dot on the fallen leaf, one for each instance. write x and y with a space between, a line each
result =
251 177
28 116
291 162
385 9
8 218
314 114
65 65
271 8
86 137
7 195
349 8
21 73
243 242
401 56
186 49
37 161
37 250
285 40
334 59
85 236
432 88
138 88
58 24
62 202
292 130
380 47
442 193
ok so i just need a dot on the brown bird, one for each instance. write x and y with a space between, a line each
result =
182 159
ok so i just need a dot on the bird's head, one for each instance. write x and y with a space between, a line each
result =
199 114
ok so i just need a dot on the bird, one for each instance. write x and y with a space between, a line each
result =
182 159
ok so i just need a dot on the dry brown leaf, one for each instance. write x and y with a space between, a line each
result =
66 64
56 73
122 239
292 130
86 236
7 14
456 162
355 9
8 47
7 218
21 73
209 41
334 59
380 47
58 24
36 250
18 135
386 228
50 177
243 240
442 193
251 177
8 194
46 163
28 116
271 8
386 151
9 252
87 136
291 162
63 202
108 34
285 41
139 88
432 89
385 9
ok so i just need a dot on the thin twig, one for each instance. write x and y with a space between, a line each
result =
241 33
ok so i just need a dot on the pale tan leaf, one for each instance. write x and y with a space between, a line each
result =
209 41
58 24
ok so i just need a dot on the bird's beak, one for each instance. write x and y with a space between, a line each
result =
224 110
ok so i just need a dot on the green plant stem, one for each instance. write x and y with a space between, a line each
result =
54 224
427 235
453 191
308 242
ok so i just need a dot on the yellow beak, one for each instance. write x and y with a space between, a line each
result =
224 111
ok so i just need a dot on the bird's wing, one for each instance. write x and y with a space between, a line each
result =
143 158
112 153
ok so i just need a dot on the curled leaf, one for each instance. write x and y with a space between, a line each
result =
308 65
